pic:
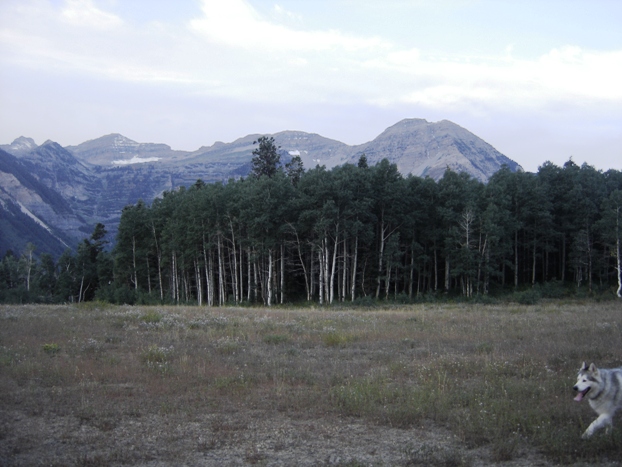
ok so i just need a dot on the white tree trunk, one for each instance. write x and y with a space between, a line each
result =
333 269
159 256
354 266
320 255
134 262
269 281
197 274
618 259
282 274
221 274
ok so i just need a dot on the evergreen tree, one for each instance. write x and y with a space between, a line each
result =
45 279
266 158
362 163
294 170
352 231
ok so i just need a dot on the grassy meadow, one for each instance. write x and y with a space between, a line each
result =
96 384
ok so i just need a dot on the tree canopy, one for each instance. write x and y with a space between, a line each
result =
355 232
266 159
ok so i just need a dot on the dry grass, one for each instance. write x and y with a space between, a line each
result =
416 385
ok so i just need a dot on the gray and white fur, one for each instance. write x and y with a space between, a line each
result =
603 389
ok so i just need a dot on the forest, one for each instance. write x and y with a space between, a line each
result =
354 233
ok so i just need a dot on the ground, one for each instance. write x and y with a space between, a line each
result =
233 439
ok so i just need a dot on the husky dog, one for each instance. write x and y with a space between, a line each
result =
603 389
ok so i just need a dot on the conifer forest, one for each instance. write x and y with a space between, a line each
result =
354 233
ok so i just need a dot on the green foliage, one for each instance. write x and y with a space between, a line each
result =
353 235
157 359
51 349
365 302
151 316
275 339
527 297
294 170
266 158
338 339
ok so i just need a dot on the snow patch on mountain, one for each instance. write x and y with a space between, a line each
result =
136 160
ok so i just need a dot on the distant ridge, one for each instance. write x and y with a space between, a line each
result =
416 146
67 190
421 148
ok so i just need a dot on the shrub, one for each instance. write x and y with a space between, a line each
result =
51 349
336 339
364 302
553 289
527 297
275 339
151 316
124 296
157 358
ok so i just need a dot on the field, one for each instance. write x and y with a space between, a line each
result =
444 385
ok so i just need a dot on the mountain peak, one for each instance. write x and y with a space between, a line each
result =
415 145
116 149
425 148
112 139
412 122
23 143
20 146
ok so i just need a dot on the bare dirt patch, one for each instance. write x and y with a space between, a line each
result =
246 438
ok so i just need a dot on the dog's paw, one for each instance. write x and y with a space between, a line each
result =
586 435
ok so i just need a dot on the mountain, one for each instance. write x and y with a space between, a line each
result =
19 146
116 149
416 146
31 212
427 149
62 192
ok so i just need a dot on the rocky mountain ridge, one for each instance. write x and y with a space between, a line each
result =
65 191
417 146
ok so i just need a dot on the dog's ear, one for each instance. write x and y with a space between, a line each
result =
583 367
593 368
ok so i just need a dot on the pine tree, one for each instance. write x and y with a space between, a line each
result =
266 158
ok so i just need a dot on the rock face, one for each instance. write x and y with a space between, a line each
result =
53 196
21 145
116 149
421 148
31 212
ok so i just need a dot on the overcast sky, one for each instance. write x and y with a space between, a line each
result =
539 80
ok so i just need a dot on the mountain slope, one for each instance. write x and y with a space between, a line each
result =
422 148
66 191
116 149
30 211
19 146
416 146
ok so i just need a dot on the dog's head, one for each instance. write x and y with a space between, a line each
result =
587 379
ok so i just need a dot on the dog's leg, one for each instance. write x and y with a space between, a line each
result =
602 420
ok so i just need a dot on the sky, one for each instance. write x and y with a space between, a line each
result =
540 80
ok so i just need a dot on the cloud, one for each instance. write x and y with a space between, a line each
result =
84 14
229 50
583 73
237 24
281 12
378 71
567 74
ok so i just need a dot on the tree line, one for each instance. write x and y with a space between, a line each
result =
352 233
